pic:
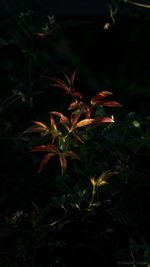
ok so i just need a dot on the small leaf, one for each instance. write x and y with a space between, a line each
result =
39 128
103 177
109 104
72 78
45 160
99 96
77 137
63 163
75 105
41 124
77 94
45 148
36 129
63 119
59 83
93 181
74 118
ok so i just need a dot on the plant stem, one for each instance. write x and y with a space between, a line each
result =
136 4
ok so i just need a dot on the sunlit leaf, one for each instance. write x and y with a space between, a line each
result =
84 122
41 124
52 123
54 131
100 120
93 181
100 96
103 177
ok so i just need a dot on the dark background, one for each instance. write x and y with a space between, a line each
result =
32 46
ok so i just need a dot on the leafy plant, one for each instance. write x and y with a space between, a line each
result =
66 131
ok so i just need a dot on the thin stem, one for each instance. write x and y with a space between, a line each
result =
113 12
93 196
136 4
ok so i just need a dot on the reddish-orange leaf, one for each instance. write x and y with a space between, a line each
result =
45 148
99 96
41 124
101 120
75 117
62 87
45 160
59 83
52 123
84 122
72 78
39 128
77 94
76 136
63 162
109 103
75 105
63 119
88 112
68 79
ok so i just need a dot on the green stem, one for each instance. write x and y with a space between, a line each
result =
136 4
93 196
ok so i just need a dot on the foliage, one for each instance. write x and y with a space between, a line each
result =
93 209
83 115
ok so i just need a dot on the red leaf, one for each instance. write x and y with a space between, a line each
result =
59 83
36 129
99 96
78 94
72 78
75 105
45 148
63 119
68 79
45 160
77 137
101 120
75 117
110 104
39 128
52 123
41 124
63 162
